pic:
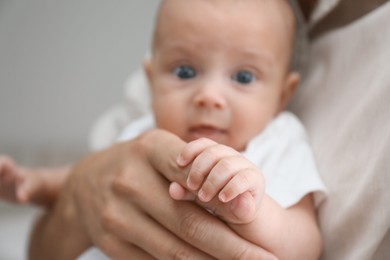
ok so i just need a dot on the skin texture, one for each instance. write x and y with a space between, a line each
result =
213 103
124 209
219 172
196 94
105 202
25 185
10 177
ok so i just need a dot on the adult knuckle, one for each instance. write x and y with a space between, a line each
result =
192 226
180 254
119 184
123 183
243 253
109 218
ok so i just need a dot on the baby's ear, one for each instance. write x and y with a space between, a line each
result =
148 70
290 84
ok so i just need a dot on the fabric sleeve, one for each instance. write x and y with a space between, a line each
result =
284 156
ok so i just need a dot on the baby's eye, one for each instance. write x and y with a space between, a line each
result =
243 77
184 72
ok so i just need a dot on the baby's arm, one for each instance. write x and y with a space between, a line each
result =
20 184
288 233
10 179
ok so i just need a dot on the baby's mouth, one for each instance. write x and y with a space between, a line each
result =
210 132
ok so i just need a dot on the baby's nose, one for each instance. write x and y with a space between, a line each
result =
210 97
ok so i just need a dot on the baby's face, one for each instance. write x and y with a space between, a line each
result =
219 69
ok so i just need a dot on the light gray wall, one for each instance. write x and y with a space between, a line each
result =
63 63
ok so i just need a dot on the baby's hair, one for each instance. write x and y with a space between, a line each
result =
298 34
300 42
295 26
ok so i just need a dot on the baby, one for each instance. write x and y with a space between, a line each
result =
220 77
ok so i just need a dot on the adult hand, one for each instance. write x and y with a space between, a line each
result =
187 221
118 201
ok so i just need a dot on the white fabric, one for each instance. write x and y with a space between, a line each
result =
107 128
344 104
137 127
282 153
93 254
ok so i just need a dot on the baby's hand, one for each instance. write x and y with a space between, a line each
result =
220 173
10 178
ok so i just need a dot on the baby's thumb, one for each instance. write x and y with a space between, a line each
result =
243 208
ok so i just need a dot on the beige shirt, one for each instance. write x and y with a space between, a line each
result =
344 102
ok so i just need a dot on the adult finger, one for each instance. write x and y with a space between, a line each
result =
209 234
198 228
134 219
118 249
151 237
186 220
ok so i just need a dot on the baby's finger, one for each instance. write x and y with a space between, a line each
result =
6 163
249 179
220 175
242 209
192 150
205 162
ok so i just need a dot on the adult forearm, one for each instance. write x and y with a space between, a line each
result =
52 181
59 232
57 235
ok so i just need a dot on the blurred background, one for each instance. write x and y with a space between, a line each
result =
62 64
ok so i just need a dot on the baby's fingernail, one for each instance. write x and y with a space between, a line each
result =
180 160
202 195
190 184
222 197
